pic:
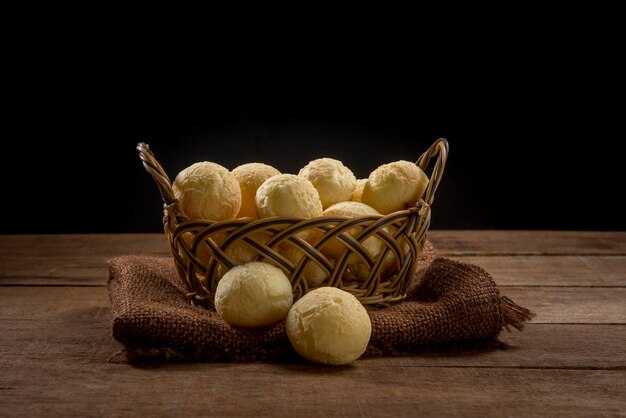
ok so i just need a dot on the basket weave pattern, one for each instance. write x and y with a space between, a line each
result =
201 256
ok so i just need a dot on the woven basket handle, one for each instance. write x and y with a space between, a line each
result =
440 149
158 174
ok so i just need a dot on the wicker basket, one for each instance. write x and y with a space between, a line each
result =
200 247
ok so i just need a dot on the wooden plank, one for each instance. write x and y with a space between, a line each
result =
447 243
538 346
569 361
63 260
74 323
35 388
80 260
55 342
552 305
528 242
80 245
88 270
22 303
575 270
86 338
567 305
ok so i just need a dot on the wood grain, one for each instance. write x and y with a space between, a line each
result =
552 305
446 242
34 319
88 270
270 390
86 338
528 242
572 305
81 259
573 270
55 340
79 245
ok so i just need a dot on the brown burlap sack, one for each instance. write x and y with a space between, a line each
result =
448 302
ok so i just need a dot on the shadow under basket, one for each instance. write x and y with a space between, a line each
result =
378 258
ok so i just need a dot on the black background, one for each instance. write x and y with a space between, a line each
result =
533 132
507 169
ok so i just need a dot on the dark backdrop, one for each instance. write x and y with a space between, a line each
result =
531 101
521 156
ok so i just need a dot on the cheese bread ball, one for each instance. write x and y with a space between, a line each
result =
358 191
288 195
313 274
329 326
394 186
239 252
334 181
334 248
250 177
253 295
208 191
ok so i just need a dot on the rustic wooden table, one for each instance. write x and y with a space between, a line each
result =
55 340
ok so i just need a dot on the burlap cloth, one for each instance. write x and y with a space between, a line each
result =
448 302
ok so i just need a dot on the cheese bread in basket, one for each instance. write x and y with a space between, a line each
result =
377 275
